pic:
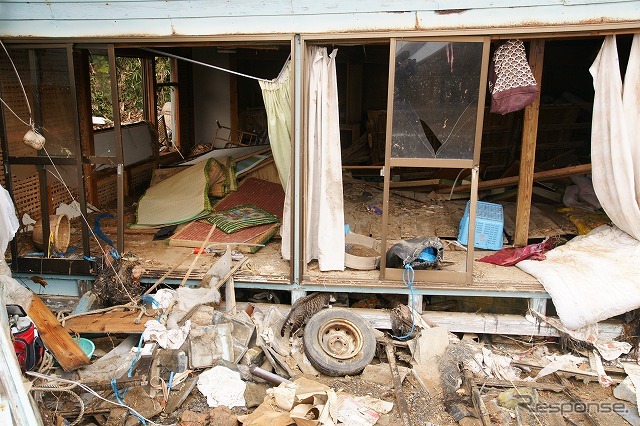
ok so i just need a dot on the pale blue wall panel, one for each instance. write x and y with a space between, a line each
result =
127 18
549 16
208 26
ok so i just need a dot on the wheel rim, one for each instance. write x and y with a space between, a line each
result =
340 339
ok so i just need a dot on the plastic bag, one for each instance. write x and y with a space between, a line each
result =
512 255
420 253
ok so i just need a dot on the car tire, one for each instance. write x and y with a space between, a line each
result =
339 342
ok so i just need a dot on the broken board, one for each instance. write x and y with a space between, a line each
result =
65 350
109 322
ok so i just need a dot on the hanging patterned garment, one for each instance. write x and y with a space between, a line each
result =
615 151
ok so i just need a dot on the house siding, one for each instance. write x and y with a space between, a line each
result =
185 18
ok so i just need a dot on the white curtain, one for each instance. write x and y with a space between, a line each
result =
324 210
324 203
615 133
277 101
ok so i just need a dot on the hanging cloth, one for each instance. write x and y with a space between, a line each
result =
9 223
615 151
324 202
324 209
277 102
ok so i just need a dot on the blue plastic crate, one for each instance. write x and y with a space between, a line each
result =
489 226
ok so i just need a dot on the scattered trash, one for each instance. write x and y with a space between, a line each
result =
256 360
307 402
222 386
166 338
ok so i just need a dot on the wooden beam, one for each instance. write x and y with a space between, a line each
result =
414 183
512 180
463 322
528 150
65 350
109 322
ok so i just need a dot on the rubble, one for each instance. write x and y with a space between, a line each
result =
194 362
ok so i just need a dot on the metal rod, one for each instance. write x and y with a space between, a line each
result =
34 66
113 73
296 230
78 146
267 375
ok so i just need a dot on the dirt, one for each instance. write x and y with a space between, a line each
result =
423 408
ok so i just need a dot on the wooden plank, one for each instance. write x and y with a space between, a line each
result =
540 225
462 322
581 169
415 183
403 407
108 322
528 150
66 350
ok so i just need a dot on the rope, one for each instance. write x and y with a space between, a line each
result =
408 276
50 387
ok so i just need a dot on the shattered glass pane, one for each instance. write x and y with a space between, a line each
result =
435 99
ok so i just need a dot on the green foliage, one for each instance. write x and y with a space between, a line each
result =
130 87
163 75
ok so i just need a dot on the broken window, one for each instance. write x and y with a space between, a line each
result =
437 104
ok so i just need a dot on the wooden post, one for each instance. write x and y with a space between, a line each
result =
538 305
528 151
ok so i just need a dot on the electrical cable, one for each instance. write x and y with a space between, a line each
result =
182 58
408 276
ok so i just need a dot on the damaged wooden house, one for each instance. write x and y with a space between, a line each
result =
408 137
328 145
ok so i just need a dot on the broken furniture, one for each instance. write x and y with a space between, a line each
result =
226 137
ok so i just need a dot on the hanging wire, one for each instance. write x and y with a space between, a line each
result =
58 176
456 181
14 113
24 92
182 58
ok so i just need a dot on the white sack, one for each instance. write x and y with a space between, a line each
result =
222 386
592 277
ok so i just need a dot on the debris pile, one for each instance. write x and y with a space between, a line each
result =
179 355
